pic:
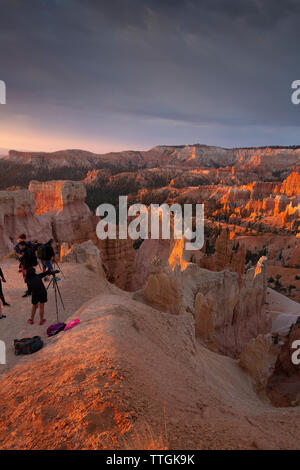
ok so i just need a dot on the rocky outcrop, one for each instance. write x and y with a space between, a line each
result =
162 290
56 195
228 309
17 215
291 185
142 262
236 306
255 359
55 209
283 387
86 253
64 202
205 320
118 256
227 255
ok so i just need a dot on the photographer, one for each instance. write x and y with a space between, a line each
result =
48 256
38 292
27 259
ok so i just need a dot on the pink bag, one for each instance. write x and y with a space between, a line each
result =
71 324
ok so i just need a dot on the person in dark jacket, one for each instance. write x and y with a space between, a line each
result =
21 239
2 279
48 255
38 293
28 259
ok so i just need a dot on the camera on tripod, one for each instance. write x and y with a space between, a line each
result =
53 273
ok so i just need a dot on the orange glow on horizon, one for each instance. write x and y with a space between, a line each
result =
23 139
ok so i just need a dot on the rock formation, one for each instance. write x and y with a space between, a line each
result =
118 256
227 255
55 209
255 358
264 160
283 387
291 185
162 290
17 215
86 253
229 310
64 201
142 262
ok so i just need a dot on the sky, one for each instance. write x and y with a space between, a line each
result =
131 74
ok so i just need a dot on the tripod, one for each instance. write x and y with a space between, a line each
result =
57 294
55 262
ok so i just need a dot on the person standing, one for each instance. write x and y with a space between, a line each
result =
38 293
28 259
21 239
48 257
2 279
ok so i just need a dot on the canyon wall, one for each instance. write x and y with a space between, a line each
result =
266 160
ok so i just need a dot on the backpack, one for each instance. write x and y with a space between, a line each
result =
28 345
54 329
41 251
45 252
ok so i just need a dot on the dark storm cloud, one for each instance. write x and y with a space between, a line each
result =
215 63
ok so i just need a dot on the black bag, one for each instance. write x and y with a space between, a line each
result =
54 329
41 251
48 252
28 345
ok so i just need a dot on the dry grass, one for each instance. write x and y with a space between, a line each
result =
144 437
